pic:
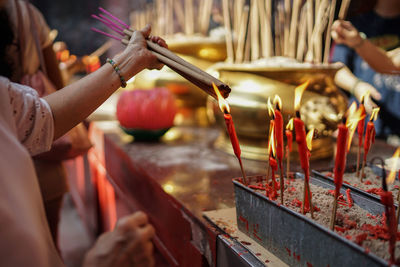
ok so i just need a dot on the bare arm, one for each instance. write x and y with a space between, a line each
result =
75 102
343 32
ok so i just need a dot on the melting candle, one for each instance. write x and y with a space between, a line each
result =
340 160
289 139
369 138
279 139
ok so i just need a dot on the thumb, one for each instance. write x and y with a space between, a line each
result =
375 94
146 30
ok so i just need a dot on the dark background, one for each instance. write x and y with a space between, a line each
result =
72 19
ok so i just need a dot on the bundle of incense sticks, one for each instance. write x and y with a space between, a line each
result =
173 16
190 72
301 28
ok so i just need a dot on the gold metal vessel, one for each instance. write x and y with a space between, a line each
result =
322 105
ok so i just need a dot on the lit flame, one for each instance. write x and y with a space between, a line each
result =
374 114
309 139
289 126
270 108
298 92
278 102
354 116
392 175
364 96
223 105
271 144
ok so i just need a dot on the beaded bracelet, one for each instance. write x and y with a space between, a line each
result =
118 71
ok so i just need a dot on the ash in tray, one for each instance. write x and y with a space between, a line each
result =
371 183
352 222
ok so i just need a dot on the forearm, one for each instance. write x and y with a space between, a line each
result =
345 79
75 102
376 57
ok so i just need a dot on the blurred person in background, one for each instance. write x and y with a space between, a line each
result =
379 27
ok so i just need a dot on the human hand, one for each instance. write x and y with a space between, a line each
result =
137 56
128 245
343 32
366 91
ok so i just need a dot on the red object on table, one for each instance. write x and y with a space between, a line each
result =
289 138
232 134
360 126
340 161
369 138
279 134
387 200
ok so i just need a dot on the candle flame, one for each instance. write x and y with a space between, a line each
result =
278 102
364 96
289 125
374 114
392 175
354 116
298 92
271 143
270 108
309 138
223 105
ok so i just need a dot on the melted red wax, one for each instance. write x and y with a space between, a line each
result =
367 182
375 190
245 243
349 199
309 264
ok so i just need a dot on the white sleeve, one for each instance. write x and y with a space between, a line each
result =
33 118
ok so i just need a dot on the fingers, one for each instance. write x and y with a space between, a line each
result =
131 222
158 40
375 94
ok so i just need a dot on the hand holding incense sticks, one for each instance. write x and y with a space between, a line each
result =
192 73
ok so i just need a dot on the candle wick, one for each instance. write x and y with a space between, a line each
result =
344 120
226 111
298 114
277 107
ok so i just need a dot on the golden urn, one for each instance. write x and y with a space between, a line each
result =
322 104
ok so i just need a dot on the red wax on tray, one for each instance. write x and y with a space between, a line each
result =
340 161
279 134
232 134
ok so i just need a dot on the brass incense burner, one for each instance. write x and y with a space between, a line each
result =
322 105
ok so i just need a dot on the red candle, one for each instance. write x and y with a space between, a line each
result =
301 143
387 200
274 168
289 138
360 126
279 134
232 134
369 138
340 161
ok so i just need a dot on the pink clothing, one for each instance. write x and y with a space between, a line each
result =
32 65
26 127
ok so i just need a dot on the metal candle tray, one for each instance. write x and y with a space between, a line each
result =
293 237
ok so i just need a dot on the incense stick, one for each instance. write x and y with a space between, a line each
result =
255 45
242 35
228 32
293 28
343 9
328 31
